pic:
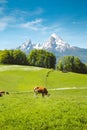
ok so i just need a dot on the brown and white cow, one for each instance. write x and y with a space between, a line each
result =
3 93
41 90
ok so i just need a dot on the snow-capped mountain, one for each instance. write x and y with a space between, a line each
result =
57 46
56 43
26 46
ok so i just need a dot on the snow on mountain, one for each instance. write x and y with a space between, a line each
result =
55 42
38 46
57 46
26 46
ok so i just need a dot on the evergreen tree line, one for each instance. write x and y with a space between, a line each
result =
42 58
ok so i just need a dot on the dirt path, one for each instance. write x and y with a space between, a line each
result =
58 89
68 88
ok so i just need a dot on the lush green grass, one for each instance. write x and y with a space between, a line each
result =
23 78
63 110
19 78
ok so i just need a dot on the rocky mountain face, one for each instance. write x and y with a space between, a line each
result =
57 46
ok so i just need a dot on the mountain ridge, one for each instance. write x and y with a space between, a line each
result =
57 46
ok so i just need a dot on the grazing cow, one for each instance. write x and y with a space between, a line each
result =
3 93
41 90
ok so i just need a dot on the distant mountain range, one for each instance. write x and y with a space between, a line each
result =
57 46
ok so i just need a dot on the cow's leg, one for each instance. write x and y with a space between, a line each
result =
7 92
42 94
1 94
35 93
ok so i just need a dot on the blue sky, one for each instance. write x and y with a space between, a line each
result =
21 20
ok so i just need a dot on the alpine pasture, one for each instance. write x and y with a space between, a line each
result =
64 109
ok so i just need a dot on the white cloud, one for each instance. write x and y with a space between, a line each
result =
39 25
24 13
3 1
33 25
6 19
79 22
3 26
2 10
76 22
16 18
36 12
5 22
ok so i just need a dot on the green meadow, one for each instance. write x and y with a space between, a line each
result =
64 109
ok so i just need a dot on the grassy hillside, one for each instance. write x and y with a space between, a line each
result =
23 78
63 110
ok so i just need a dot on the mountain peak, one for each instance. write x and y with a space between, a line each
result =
26 46
57 39
27 43
57 46
56 43
54 35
